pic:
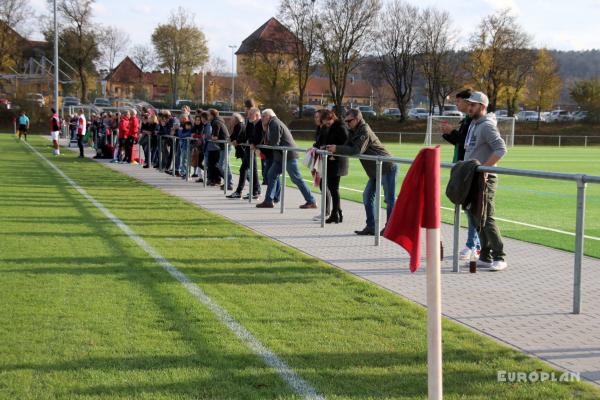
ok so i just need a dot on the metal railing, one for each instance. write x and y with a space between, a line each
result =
520 140
581 181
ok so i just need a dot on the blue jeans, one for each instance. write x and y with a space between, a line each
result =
388 182
472 236
182 156
273 183
222 161
294 172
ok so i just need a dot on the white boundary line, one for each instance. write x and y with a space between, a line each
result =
300 386
543 228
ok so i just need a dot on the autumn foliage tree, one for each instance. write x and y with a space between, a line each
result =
545 83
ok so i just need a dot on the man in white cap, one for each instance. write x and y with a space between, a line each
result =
484 143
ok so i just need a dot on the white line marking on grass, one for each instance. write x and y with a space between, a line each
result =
299 385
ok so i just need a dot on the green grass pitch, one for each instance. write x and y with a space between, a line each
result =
87 314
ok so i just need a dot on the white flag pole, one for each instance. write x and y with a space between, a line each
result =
434 316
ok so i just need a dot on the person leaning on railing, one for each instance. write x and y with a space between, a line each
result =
484 143
362 140
320 142
337 134
148 140
197 145
278 134
220 132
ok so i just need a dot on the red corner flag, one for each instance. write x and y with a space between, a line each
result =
418 204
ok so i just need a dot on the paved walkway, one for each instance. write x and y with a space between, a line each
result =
528 306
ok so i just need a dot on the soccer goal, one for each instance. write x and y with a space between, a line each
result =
506 126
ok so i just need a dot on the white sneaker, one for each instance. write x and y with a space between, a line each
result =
317 217
498 265
484 264
465 254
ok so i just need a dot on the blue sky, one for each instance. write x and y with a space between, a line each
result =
557 24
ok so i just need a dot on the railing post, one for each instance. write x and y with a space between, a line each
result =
559 140
455 266
585 141
378 165
225 168
532 140
188 160
283 176
579 244
324 156
139 143
174 152
399 137
149 155
160 151
251 158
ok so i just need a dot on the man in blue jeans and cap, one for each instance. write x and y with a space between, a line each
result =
362 140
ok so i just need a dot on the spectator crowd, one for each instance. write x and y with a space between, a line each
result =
255 137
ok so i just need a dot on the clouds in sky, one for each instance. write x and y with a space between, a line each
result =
556 24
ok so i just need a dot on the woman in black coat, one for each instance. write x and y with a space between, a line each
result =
337 133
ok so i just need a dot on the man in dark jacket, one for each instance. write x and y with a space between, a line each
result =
457 138
362 140
220 132
278 134
248 136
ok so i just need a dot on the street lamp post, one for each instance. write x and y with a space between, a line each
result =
55 61
232 47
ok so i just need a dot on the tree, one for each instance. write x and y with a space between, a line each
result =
436 50
397 46
586 93
180 45
274 76
216 65
114 43
496 55
144 57
344 30
545 84
13 13
301 18
77 41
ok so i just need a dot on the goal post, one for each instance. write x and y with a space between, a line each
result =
433 135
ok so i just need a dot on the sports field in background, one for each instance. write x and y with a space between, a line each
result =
544 203
87 313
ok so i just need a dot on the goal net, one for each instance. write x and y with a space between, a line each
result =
506 126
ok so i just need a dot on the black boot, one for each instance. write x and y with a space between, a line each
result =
333 218
340 216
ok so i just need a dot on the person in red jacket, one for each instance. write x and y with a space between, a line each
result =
132 136
123 134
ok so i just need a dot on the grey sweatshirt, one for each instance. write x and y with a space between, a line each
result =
483 139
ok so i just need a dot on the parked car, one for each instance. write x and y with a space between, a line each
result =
102 102
307 111
449 110
418 113
36 98
69 101
501 113
559 116
580 116
222 105
527 116
392 112
367 111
